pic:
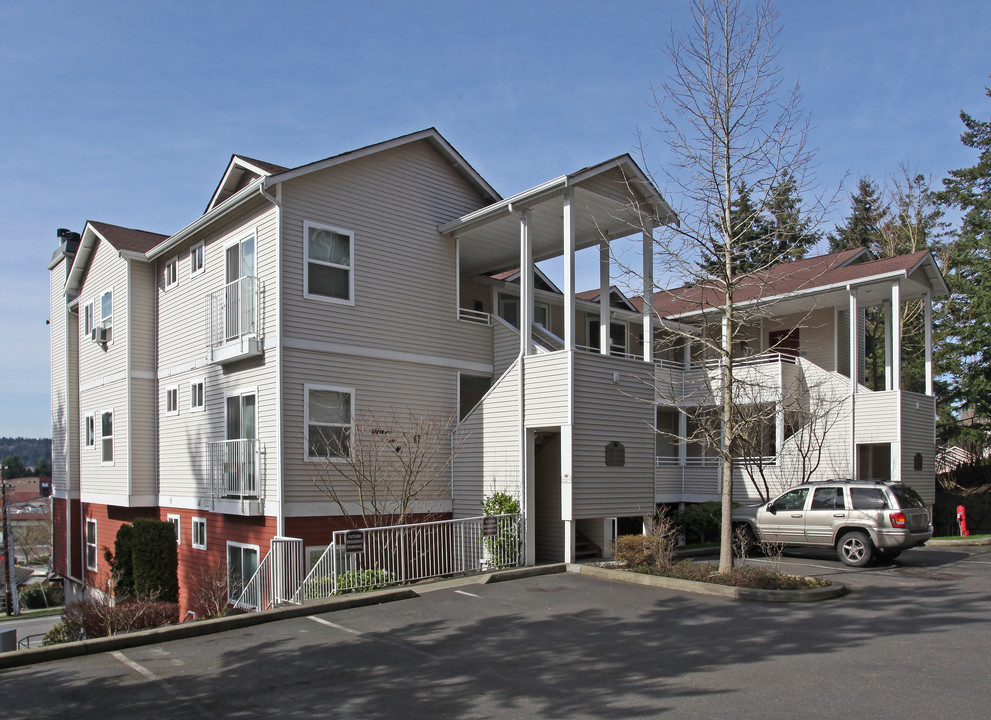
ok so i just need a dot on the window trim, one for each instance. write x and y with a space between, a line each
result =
197 251
89 319
91 522
227 560
307 224
103 319
176 521
89 431
198 521
170 402
172 272
306 421
104 438
193 394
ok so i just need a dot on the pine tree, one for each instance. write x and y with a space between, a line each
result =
964 332
863 228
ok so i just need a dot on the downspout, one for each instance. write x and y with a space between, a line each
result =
521 393
280 518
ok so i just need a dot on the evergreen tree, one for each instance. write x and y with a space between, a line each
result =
965 323
867 217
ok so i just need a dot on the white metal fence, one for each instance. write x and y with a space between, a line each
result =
232 312
275 581
373 557
234 468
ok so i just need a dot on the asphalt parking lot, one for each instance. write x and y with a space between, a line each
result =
908 641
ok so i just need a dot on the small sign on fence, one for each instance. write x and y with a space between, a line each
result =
354 541
490 526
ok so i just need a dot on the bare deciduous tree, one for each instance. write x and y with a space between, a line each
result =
385 466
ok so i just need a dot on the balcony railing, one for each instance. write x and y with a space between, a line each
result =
234 469
232 320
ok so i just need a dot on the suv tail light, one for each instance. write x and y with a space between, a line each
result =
897 519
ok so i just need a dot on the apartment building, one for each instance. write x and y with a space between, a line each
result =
192 372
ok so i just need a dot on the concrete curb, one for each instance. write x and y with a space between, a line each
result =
525 572
197 629
958 542
700 588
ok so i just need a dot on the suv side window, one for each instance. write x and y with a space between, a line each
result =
794 500
827 499
868 499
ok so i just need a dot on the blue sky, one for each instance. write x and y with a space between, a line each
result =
127 112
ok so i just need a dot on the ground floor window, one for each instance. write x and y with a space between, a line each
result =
242 562
90 544
199 533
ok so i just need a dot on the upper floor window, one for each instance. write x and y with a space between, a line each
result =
88 319
171 272
196 259
328 274
329 413
90 431
107 315
172 400
107 436
197 401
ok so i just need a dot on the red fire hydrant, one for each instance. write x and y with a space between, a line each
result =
962 521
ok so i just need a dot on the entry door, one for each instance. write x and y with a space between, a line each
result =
239 263
787 523
784 342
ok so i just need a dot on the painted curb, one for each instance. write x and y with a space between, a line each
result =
525 572
958 542
700 588
182 631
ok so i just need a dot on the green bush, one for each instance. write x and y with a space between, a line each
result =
41 595
365 580
746 576
699 522
121 562
155 560
503 549
68 629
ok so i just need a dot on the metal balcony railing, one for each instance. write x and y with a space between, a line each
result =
234 469
232 312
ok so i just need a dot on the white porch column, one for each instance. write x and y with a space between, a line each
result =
896 335
566 511
854 372
888 373
569 269
648 293
526 285
604 297
927 309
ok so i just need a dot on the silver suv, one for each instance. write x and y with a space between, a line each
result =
861 519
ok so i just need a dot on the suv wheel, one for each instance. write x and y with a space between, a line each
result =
855 548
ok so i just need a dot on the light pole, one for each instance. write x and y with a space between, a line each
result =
12 605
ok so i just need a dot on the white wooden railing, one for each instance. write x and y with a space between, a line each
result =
474 316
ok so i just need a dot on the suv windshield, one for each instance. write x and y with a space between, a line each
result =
907 497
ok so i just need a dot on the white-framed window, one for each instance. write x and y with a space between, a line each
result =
199 533
313 555
107 315
88 324
172 400
328 272
90 430
197 400
171 272
107 437
196 259
329 420
90 544
242 562
176 522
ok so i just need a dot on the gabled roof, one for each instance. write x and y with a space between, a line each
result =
123 240
617 298
241 172
540 278
797 278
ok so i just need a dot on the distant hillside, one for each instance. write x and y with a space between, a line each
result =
30 450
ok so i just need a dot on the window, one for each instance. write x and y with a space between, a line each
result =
794 500
196 398
172 400
90 431
196 259
171 272
868 499
199 533
242 562
827 499
90 544
328 421
107 436
88 320
313 555
176 525
328 274
107 315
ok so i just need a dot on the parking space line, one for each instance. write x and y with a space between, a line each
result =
462 592
161 682
328 623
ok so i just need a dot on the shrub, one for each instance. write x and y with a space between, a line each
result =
121 562
365 580
746 576
699 522
41 595
654 549
503 549
68 629
99 617
155 560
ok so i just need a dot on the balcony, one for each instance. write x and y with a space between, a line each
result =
232 321
234 477
759 378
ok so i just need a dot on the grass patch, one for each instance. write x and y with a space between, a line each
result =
746 576
960 537
33 613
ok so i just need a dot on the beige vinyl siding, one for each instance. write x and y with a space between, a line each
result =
403 270
63 411
381 388
877 417
546 382
606 411
815 334
505 346
142 438
489 460
183 354
141 338
95 477
919 436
